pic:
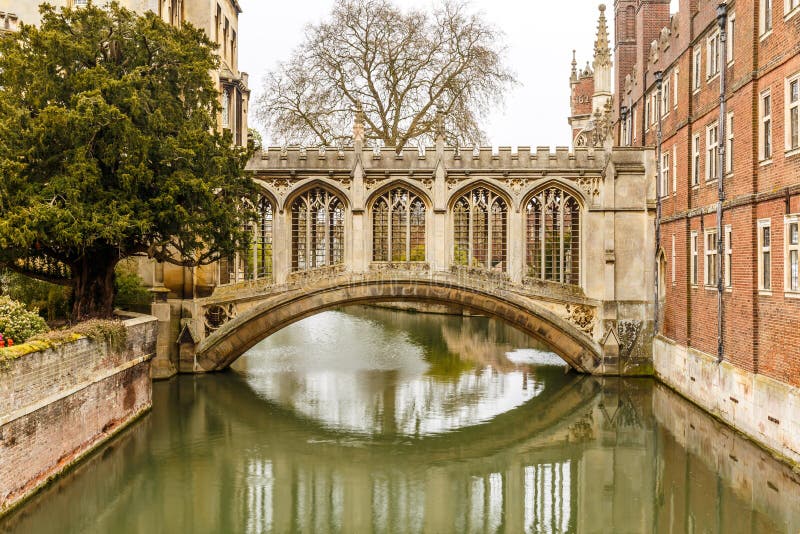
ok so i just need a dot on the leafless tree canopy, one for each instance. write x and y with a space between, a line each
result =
400 66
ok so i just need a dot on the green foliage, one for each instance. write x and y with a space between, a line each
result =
52 300
109 148
104 331
418 253
17 322
130 292
112 332
460 256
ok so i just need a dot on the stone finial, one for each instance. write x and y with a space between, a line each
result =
602 47
439 125
358 125
574 76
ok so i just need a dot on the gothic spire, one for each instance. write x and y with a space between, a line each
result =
602 48
574 76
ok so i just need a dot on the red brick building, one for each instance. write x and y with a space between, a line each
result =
754 148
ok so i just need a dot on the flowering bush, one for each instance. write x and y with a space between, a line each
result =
17 322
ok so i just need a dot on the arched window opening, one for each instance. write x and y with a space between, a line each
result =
398 227
553 237
479 230
255 261
317 230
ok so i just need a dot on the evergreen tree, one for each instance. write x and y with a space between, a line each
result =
109 148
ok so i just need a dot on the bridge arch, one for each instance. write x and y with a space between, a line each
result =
267 316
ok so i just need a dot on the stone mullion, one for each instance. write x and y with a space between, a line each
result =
542 235
489 232
470 232
561 239
408 230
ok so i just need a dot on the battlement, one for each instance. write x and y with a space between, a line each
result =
454 159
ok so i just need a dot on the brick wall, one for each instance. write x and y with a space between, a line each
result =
57 405
762 328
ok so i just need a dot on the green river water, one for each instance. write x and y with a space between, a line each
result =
370 420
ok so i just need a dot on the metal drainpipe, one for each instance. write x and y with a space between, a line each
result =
659 79
722 20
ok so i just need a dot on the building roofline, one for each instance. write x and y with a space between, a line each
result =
236 6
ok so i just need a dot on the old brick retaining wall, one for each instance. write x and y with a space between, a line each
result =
59 404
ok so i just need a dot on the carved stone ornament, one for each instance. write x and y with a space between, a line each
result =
582 316
516 184
279 185
452 183
217 315
344 181
590 185
372 183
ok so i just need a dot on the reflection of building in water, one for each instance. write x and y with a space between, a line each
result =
547 497
595 467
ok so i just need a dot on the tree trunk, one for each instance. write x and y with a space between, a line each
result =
93 285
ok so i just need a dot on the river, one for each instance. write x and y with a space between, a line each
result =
371 420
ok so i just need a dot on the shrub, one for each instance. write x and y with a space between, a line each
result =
53 301
104 331
131 293
19 323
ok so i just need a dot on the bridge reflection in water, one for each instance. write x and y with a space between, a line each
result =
289 444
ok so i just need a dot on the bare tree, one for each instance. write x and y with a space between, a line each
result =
400 66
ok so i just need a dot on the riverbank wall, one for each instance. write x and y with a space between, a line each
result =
764 409
748 470
59 404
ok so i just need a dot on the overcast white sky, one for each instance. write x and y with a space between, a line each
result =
539 34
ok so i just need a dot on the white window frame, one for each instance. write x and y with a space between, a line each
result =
763 248
790 8
698 68
226 108
665 173
728 267
729 145
696 160
712 55
712 151
673 260
765 18
792 264
792 144
634 121
648 112
665 94
693 264
765 140
710 260
675 169
675 80
731 38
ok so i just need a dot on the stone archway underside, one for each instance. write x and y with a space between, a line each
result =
273 312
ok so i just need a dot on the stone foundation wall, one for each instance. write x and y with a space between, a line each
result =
764 409
747 469
57 405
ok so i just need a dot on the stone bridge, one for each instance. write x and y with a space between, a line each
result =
559 244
